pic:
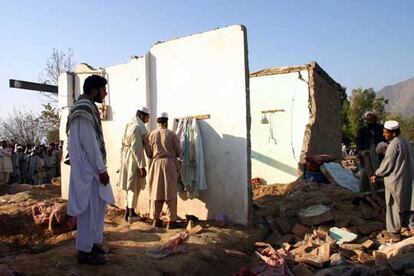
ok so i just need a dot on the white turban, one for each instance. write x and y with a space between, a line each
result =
391 125
144 109
162 115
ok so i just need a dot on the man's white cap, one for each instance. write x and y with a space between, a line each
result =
391 125
144 109
372 113
162 115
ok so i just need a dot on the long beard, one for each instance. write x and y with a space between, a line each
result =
98 99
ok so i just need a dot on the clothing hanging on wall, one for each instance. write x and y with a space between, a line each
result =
193 175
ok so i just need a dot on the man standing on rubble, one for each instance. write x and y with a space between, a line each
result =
89 189
367 140
397 168
164 149
132 172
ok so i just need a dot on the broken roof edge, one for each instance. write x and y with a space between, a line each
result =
242 27
296 68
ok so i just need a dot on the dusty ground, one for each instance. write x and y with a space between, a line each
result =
30 250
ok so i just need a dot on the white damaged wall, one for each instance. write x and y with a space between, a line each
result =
277 145
206 74
200 74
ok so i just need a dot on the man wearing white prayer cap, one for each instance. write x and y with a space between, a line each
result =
132 172
397 169
164 149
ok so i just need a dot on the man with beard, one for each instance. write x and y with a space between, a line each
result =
132 172
89 191
397 169
367 141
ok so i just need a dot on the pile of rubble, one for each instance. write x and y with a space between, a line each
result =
323 227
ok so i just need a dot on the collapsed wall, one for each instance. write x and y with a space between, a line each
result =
296 112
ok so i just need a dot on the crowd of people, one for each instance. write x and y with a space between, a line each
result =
27 164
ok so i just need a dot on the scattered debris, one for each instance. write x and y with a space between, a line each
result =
174 246
344 178
337 259
275 263
315 215
342 236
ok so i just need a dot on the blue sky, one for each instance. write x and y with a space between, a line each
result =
359 43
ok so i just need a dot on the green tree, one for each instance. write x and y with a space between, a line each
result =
49 119
363 100
345 104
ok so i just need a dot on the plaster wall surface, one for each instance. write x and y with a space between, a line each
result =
206 74
276 159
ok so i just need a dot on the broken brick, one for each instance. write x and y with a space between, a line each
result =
283 224
320 233
337 259
352 246
302 270
365 258
380 258
271 223
300 230
273 238
402 262
367 244
301 250
261 244
409 272
286 246
288 238
369 228
315 215
323 251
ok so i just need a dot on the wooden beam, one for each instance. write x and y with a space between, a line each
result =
273 111
198 117
19 84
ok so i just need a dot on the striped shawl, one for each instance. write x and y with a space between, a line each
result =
86 109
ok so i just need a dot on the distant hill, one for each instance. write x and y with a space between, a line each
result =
400 96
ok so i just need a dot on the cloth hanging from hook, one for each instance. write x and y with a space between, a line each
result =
271 132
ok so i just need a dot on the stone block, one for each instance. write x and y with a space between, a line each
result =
302 270
371 227
300 230
315 215
283 224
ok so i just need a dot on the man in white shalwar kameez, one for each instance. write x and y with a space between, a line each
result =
89 189
6 166
397 169
132 172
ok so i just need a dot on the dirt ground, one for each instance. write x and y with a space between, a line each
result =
30 250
